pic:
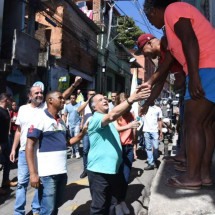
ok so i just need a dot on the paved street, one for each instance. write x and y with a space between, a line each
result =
77 197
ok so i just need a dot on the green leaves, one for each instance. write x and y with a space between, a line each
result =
128 32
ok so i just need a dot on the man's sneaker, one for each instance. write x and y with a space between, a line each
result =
77 155
9 183
124 208
72 156
149 167
118 210
83 174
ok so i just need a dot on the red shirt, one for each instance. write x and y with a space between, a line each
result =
13 116
126 136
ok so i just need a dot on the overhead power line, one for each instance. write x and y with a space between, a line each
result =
137 6
144 24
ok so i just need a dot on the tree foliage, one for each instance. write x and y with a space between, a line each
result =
128 32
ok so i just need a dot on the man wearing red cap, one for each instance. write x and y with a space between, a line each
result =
152 47
147 39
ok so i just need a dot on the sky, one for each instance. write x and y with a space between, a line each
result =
131 8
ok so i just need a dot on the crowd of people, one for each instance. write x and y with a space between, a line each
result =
102 129
109 129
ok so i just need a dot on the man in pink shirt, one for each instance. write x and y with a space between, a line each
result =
191 42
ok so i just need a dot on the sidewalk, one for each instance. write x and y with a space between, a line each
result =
165 200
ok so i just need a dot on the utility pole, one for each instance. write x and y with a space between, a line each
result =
105 51
111 4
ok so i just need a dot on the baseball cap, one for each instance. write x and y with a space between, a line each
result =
142 40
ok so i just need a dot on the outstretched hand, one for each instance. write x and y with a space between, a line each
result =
141 93
143 85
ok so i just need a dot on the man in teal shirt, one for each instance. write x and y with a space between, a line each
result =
105 154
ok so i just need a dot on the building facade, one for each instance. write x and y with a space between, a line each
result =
48 41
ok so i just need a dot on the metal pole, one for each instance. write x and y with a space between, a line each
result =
111 4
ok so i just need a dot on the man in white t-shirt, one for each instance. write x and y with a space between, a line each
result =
25 115
152 129
114 100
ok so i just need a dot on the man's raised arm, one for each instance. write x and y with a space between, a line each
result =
69 90
142 93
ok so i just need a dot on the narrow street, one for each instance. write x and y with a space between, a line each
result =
77 197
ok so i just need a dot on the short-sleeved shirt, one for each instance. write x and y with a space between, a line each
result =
52 136
105 154
151 119
111 106
204 32
126 136
26 114
87 113
74 118
4 125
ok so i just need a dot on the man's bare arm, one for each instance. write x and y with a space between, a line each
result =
78 137
121 108
162 71
69 90
29 151
15 144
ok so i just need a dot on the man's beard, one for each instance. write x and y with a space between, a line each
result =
37 101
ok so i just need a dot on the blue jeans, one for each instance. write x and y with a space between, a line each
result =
86 147
73 132
151 142
51 193
23 181
128 157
